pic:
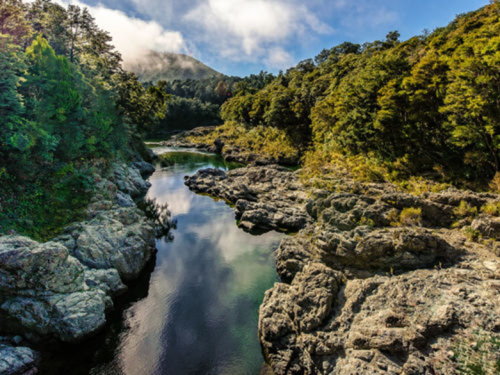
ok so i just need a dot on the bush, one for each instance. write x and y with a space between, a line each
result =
411 217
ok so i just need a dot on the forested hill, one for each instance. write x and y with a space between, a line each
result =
67 110
158 66
387 110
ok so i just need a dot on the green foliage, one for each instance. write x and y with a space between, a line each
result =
465 210
184 114
196 103
492 208
411 216
478 354
64 102
424 107
271 142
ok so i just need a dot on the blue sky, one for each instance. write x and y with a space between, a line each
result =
239 37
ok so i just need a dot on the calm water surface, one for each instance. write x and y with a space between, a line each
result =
197 312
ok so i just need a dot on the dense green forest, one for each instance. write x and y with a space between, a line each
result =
67 109
428 106
195 103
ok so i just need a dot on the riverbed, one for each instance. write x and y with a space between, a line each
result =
196 310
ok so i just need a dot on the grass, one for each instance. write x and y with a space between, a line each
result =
478 354
265 141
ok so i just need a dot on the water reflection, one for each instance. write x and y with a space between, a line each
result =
200 315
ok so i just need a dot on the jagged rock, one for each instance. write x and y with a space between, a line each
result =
108 281
27 266
67 317
130 181
290 310
396 248
265 198
124 200
377 325
17 360
61 289
487 226
145 169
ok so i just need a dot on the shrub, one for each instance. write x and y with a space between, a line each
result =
465 210
411 217
492 208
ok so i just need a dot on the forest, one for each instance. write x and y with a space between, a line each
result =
386 110
67 109
195 103
390 109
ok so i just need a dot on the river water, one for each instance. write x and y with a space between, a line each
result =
197 312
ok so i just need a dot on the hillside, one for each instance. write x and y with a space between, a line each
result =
171 66
364 108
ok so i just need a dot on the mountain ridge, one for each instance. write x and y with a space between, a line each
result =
169 66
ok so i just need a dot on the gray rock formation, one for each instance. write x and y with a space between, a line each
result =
16 359
377 281
60 290
389 306
265 198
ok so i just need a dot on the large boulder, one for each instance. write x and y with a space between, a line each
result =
122 239
17 360
27 266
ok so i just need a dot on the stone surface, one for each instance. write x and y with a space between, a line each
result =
487 226
378 325
60 290
121 239
265 198
17 360
366 288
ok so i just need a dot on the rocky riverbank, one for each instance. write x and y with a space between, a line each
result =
61 290
377 281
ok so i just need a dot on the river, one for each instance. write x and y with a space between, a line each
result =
197 311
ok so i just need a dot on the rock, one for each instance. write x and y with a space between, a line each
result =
144 168
108 281
124 200
17 360
122 239
365 292
290 309
27 266
130 181
395 248
60 290
66 317
265 198
377 325
487 226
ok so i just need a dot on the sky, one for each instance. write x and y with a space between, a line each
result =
241 37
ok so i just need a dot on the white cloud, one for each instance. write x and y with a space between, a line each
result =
134 37
278 58
253 30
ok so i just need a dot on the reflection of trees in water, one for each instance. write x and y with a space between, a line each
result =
194 160
159 213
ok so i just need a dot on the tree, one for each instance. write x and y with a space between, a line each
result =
13 21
